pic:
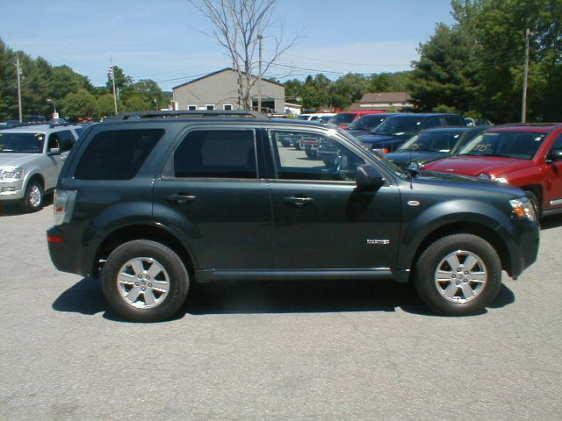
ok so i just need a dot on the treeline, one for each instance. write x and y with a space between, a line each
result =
475 66
317 92
74 94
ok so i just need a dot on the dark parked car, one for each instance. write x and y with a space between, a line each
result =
432 144
366 124
398 128
153 205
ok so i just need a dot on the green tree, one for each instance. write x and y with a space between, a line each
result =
81 104
105 106
137 102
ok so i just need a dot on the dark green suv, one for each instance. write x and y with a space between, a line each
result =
155 203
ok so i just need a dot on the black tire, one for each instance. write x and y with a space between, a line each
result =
172 263
429 260
29 204
535 202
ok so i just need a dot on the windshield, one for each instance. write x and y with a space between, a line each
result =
399 125
367 123
344 118
303 117
432 142
519 145
21 142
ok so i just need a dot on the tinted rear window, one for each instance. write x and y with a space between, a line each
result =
117 154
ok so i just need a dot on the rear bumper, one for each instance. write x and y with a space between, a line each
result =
66 250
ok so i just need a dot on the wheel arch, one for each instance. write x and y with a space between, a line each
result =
480 230
141 231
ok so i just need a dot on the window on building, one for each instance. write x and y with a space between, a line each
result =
227 107
192 108
210 107
216 154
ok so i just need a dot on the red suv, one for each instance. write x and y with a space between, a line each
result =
525 156
344 119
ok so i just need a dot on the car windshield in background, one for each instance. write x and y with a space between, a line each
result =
432 142
367 122
344 118
519 145
303 117
21 142
399 125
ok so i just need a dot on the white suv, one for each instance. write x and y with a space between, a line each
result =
31 158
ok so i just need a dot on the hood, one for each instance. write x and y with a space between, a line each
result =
373 139
476 165
462 185
357 132
16 159
402 158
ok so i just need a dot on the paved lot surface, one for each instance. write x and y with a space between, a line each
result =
333 350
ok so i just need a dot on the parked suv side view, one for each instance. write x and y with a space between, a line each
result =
31 158
152 205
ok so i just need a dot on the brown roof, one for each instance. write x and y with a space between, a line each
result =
375 97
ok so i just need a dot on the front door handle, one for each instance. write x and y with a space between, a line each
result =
298 201
181 198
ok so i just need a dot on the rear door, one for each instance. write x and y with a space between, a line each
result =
321 220
211 189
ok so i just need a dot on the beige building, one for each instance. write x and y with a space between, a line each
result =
384 101
219 91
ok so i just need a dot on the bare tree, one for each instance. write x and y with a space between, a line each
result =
237 27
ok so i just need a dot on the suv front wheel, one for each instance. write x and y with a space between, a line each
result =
145 281
34 196
458 275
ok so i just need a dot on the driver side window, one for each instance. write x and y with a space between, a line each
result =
557 145
311 156
54 141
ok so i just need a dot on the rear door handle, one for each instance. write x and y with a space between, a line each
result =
180 198
298 201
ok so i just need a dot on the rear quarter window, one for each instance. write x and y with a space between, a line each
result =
117 154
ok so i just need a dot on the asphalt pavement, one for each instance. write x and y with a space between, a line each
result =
299 350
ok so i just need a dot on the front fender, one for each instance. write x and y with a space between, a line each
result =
442 214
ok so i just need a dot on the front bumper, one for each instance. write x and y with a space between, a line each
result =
523 246
11 190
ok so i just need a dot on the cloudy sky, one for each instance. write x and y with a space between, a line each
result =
165 39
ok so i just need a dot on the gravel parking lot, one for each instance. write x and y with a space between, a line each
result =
299 350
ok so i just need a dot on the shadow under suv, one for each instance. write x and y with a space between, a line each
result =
153 204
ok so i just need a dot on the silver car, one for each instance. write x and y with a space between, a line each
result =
31 158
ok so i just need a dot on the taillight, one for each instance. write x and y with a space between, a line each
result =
63 205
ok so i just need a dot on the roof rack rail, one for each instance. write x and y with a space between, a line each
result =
187 114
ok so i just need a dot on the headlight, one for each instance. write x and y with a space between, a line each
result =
486 176
11 173
502 180
522 208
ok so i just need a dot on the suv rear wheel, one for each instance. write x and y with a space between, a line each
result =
145 281
459 274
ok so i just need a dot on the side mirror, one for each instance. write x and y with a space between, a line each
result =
414 168
54 151
368 178
554 155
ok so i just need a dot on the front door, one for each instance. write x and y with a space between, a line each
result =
322 221
212 192
554 177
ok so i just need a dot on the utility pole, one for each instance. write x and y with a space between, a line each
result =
18 74
525 78
112 77
260 38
